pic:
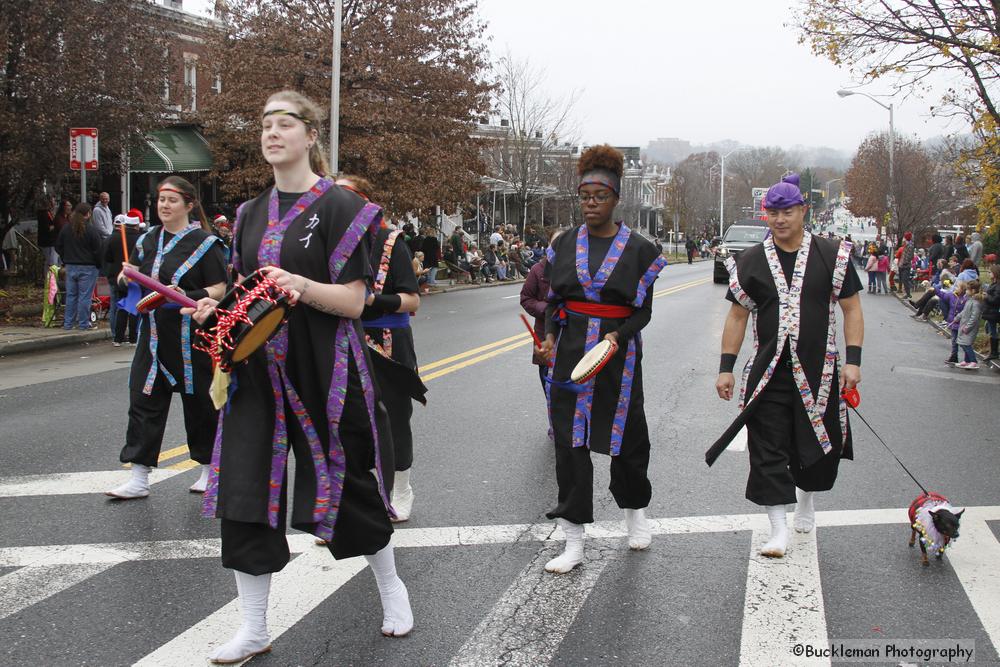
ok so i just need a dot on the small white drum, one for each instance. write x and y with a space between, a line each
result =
593 361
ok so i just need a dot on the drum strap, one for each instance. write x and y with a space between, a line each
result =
383 266
195 257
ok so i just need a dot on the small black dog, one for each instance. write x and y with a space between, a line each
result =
936 522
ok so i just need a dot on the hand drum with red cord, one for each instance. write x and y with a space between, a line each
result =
248 316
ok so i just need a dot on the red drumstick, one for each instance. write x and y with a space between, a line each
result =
531 330
169 293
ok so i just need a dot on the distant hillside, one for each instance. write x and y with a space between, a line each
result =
673 150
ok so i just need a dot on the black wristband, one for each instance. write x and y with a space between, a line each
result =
196 293
727 363
389 303
853 355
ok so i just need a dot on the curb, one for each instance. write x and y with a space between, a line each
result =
943 330
54 341
467 286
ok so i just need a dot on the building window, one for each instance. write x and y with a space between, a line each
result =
166 78
191 82
217 84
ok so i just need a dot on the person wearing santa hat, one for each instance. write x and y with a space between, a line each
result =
791 401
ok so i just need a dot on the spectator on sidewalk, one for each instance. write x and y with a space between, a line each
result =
62 216
968 325
968 271
415 240
102 219
690 246
991 310
10 245
119 318
955 306
961 250
936 251
976 250
432 255
491 264
46 216
880 274
871 267
79 245
949 247
905 269
420 272
496 238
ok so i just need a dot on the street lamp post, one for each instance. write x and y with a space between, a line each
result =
892 145
338 17
828 184
722 187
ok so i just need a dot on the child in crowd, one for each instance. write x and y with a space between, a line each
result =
872 268
956 303
880 275
968 325
991 311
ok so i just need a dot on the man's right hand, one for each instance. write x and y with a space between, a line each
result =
206 306
545 351
724 385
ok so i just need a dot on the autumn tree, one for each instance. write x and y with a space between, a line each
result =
758 167
536 123
911 43
919 192
412 86
65 64
693 193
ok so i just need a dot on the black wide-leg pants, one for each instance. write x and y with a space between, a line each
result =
147 421
771 441
362 527
575 475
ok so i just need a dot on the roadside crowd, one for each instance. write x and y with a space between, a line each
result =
949 271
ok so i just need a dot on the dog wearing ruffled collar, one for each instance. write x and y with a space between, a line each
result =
935 522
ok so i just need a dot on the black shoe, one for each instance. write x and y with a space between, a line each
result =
951 362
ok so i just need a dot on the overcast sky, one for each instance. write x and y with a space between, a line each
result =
703 71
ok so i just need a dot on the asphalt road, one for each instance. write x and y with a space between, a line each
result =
87 581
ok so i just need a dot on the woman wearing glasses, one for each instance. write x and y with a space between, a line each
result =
601 277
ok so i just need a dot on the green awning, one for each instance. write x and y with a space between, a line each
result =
173 149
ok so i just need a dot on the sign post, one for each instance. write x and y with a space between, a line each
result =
83 154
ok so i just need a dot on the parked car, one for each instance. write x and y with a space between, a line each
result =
740 236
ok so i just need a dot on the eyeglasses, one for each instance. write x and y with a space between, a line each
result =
600 197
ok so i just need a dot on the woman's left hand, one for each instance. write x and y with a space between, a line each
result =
613 337
292 283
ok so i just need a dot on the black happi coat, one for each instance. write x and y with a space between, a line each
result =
209 269
613 411
248 484
751 278
399 280
397 341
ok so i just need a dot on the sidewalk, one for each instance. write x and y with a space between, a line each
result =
942 329
16 340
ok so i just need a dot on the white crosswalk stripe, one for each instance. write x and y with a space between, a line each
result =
784 600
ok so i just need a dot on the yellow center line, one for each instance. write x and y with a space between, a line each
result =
168 454
522 340
186 464
441 362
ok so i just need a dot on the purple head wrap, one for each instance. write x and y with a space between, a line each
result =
785 194
603 177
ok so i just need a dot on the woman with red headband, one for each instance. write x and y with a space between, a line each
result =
184 254
308 390
601 277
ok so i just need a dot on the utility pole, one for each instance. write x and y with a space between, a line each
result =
338 19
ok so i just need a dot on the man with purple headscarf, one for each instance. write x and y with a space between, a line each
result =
791 401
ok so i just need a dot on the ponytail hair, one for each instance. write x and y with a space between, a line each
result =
313 116
190 196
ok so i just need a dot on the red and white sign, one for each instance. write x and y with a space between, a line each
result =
83 148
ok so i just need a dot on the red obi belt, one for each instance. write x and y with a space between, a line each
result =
602 310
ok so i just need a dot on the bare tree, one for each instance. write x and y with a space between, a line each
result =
536 124
748 169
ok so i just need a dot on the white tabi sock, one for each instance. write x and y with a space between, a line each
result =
251 639
199 486
136 487
639 534
572 555
402 496
805 512
397 617
778 544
